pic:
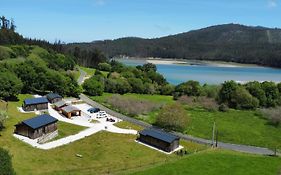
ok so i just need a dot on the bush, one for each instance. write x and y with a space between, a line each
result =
104 67
173 117
208 103
273 115
3 117
271 93
132 106
167 89
223 108
93 87
10 85
190 88
211 91
6 167
204 102
242 99
137 85
256 90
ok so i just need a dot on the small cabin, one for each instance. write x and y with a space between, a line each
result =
70 111
53 97
37 126
159 139
59 105
32 104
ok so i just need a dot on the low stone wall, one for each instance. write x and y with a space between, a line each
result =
45 138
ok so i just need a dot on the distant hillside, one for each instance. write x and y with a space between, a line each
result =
229 42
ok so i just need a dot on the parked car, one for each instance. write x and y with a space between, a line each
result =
102 114
93 110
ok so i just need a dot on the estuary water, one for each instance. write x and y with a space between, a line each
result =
211 73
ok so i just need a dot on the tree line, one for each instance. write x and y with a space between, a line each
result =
39 72
231 42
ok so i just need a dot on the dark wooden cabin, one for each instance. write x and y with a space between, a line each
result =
32 104
59 105
159 139
70 111
37 126
53 97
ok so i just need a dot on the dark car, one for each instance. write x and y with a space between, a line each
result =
94 110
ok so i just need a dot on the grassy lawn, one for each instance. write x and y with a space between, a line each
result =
215 162
150 118
244 127
91 71
102 152
67 129
128 125
234 126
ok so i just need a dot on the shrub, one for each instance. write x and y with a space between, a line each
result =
205 102
132 106
167 89
242 99
137 85
211 91
173 117
3 117
256 90
186 100
10 85
273 115
104 67
6 167
208 103
93 87
190 88
271 93
223 107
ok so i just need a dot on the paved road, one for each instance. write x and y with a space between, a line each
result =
81 77
235 147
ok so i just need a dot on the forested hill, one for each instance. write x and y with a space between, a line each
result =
229 42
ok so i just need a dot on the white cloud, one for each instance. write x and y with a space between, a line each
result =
272 3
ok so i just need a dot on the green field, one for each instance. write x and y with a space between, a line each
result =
218 162
234 126
91 71
102 152
66 129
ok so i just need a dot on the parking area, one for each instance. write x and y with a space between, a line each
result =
93 121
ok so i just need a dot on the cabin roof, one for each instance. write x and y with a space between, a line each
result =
52 96
39 121
33 101
161 135
70 109
60 103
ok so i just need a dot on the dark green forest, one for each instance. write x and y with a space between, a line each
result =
230 42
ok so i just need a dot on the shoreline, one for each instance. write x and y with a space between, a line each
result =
166 61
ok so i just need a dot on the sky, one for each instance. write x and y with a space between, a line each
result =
90 20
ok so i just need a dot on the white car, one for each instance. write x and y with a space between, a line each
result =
102 114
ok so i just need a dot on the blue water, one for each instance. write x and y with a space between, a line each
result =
212 74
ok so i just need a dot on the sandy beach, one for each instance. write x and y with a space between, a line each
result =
165 61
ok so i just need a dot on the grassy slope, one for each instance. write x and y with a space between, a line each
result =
102 152
90 71
244 127
219 162
66 129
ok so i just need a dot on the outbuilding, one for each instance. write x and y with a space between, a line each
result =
59 105
32 104
159 139
53 97
70 111
37 126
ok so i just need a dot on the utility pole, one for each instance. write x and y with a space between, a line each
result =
213 137
217 133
